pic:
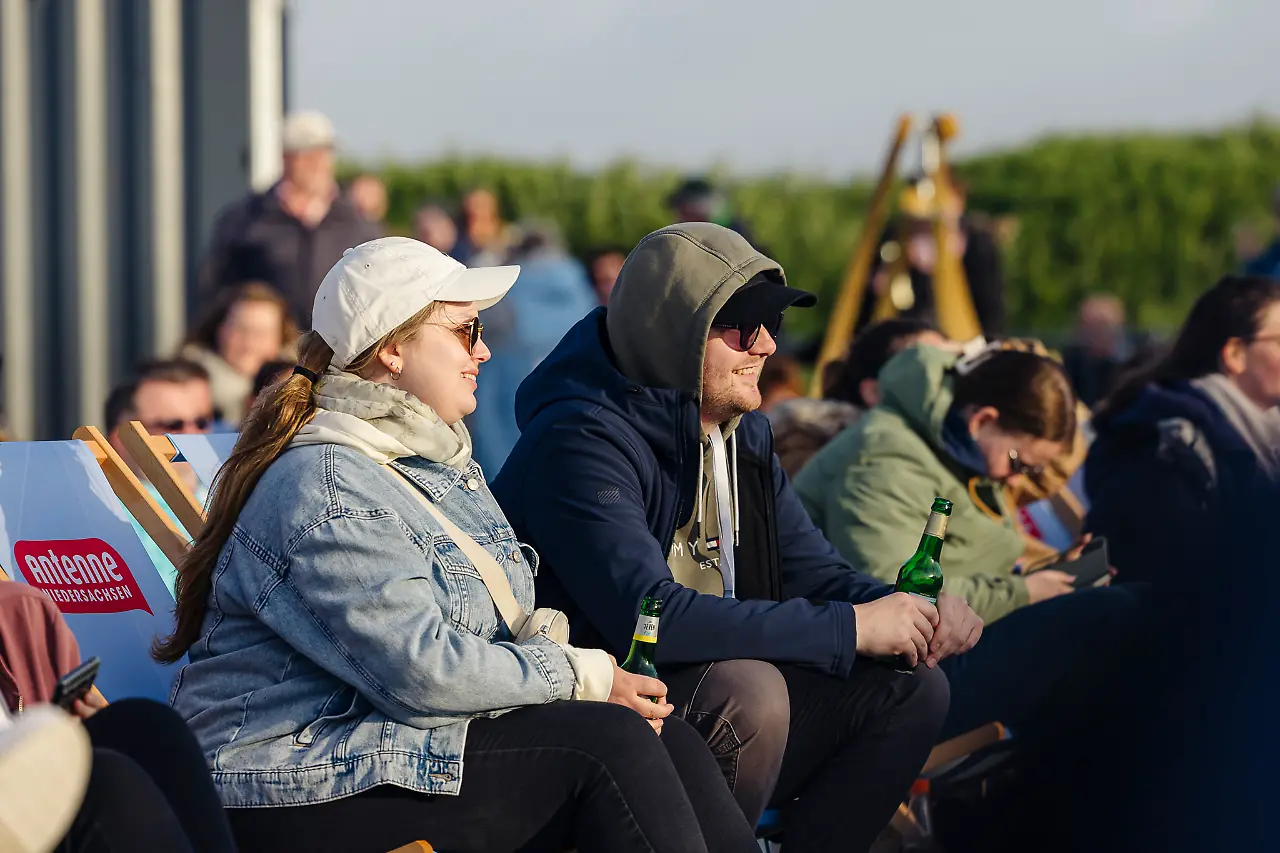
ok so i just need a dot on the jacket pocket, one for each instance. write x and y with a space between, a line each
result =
343 705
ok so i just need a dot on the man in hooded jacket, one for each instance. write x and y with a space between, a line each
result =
643 470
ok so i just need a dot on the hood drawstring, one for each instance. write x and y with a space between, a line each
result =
726 493
699 506
724 509
733 477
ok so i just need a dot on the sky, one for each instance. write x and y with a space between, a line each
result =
765 85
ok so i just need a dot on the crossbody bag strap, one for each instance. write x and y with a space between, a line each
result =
495 579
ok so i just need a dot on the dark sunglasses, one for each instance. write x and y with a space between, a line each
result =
1017 466
202 423
749 332
469 332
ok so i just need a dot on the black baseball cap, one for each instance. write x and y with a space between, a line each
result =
760 300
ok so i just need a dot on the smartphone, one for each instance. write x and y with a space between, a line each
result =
1090 566
76 684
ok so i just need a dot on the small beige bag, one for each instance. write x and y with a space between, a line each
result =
552 624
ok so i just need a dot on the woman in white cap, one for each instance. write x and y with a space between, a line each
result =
351 677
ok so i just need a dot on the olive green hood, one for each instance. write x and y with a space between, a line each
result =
669 290
917 385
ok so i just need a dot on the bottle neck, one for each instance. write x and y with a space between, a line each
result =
644 640
930 545
642 650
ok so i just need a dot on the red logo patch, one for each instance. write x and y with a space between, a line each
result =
80 575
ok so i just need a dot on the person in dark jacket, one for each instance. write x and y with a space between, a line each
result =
290 235
1180 445
643 470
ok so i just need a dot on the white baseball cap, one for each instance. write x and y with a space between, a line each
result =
305 130
376 286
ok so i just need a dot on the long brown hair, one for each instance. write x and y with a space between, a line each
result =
281 411
1232 308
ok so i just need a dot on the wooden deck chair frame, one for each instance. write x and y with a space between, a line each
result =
129 489
154 454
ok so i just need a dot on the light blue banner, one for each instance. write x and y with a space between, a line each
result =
62 530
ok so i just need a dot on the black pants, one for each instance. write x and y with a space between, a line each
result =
1039 667
837 756
585 775
149 788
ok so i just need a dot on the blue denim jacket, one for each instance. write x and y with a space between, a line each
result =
348 642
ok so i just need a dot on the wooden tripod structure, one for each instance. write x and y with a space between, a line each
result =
935 200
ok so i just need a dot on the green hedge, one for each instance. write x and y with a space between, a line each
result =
1148 217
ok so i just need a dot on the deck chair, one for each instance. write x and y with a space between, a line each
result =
154 455
204 453
63 531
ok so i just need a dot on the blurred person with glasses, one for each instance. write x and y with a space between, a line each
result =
1182 444
171 397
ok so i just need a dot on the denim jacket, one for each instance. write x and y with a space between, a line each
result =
348 642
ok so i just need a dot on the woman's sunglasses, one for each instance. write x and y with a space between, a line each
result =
1017 466
469 332
749 332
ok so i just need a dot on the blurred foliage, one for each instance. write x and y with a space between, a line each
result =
1149 217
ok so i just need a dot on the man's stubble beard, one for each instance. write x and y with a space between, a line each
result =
719 405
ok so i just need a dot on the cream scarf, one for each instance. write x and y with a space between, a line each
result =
382 422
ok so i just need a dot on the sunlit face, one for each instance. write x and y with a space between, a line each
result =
480 206
604 273
731 374
1254 364
310 170
435 366
1009 454
175 408
436 228
369 196
251 335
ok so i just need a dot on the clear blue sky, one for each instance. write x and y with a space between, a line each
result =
763 85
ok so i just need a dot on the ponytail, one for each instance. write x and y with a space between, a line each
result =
281 411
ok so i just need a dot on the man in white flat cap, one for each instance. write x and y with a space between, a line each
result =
290 235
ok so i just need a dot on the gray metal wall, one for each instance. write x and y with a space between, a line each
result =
125 125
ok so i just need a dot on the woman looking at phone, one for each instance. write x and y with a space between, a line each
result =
351 678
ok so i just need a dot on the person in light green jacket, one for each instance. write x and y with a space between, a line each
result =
955 428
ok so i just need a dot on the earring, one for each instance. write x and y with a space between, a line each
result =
395 373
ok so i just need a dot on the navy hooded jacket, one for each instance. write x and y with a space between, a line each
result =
1166 476
604 473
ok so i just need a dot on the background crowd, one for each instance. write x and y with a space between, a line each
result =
1166 440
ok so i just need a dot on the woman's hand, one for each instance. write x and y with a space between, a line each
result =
92 703
1048 583
634 692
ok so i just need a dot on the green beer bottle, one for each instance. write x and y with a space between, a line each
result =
644 641
922 574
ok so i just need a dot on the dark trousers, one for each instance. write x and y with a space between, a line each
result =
836 755
585 775
149 788
1036 668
